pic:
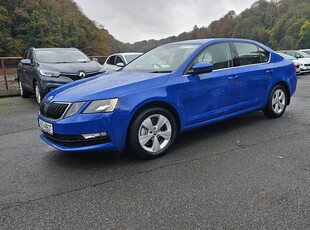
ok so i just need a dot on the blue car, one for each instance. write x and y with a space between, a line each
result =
171 89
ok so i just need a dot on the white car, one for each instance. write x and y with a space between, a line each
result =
117 61
307 51
295 60
303 59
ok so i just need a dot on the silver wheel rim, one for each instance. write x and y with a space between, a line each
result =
38 95
21 88
278 101
155 133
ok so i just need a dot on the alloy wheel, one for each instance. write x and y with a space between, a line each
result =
155 133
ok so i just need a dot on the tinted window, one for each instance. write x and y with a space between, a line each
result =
111 60
248 53
25 55
219 55
30 56
119 60
264 55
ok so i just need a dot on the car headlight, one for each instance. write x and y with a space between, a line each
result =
102 106
49 73
74 108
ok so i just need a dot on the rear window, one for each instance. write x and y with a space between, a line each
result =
248 54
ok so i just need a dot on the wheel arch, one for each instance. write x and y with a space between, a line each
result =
161 104
284 84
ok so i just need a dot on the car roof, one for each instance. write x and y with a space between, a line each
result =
127 53
56 49
209 40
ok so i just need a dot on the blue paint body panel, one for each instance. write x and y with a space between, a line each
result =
198 100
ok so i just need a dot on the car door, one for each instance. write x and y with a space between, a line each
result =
254 74
110 65
212 95
29 71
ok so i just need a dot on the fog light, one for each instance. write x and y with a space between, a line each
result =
94 135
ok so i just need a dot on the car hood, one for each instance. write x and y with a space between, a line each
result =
109 85
72 68
303 60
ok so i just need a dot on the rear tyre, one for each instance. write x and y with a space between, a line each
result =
277 102
152 133
38 92
23 92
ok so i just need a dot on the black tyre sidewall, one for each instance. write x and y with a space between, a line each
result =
26 93
268 111
134 141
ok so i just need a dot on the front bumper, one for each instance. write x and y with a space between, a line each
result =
67 133
49 83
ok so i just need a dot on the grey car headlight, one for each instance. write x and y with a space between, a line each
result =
74 108
102 106
49 73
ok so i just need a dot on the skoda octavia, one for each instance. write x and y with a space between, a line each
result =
171 89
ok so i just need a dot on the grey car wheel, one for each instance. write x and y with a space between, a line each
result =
152 132
277 102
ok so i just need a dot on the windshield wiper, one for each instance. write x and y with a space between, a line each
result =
162 71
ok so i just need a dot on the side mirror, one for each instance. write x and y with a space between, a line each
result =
202 67
26 61
94 59
120 64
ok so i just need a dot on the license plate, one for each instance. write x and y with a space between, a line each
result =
46 127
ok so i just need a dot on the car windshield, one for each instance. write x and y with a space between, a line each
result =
163 59
303 54
287 56
306 51
130 57
61 56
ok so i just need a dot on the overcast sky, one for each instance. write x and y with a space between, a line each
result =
136 20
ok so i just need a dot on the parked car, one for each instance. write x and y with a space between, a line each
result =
117 61
171 89
42 70
295 60
307 51
302 57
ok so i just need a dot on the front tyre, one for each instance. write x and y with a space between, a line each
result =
152 132
277 102
38 92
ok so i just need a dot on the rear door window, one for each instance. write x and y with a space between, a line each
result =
248 53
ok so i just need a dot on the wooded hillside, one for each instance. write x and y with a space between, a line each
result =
283 24
46 23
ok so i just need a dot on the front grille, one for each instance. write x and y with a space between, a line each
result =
75 77
306 64
53 110
75 140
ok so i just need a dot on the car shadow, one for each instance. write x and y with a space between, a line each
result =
126 157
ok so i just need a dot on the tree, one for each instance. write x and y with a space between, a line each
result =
304 35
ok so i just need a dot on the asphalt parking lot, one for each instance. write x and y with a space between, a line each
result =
249 172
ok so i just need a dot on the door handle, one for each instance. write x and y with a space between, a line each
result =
269 71
233 78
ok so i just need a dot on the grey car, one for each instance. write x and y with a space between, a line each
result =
44 69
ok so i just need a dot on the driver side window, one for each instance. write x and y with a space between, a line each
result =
219 55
